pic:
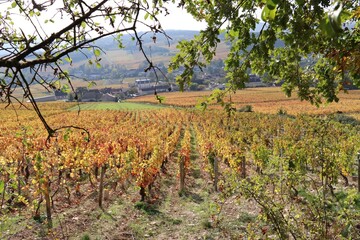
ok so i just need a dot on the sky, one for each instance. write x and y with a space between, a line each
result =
179 19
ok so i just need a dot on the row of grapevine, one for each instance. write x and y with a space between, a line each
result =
294 167
123 146
184 157
297 170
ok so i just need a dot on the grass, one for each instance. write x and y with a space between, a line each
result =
115 106
7 222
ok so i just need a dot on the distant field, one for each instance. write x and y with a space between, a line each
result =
266 100
115 106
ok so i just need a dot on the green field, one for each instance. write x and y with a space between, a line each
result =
115 106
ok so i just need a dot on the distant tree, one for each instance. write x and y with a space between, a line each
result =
71 97
201 87
194 86
39 36
133 90
121 96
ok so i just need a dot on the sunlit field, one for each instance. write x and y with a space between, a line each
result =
265 100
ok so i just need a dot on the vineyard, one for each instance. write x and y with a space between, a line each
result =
174 173
264 100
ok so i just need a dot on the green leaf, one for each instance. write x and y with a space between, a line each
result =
56 84
161 99
326 27
202 105
68 59
268 14
14 4
346 231
91 84
146 16
97 52
335 18
65 88
271 4
66 136
331 22
2 185
345 16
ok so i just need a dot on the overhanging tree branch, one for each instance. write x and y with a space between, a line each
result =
38 52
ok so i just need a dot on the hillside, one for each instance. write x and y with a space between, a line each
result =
129 56
161 49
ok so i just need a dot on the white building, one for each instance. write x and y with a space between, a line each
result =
144 83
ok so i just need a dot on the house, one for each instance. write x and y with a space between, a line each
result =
90 96
254 78
255 81
107 97
60 95
144 83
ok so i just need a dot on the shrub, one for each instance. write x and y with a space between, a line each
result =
246 108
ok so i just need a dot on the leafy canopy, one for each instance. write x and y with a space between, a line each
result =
321 52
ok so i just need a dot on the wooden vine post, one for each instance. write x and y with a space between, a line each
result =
216 174
243 167
101 185
182 174
46 188
142 193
